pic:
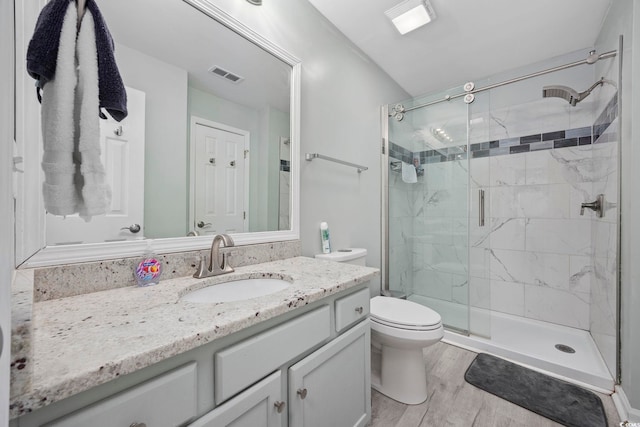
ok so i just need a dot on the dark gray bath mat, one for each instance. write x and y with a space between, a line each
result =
557 400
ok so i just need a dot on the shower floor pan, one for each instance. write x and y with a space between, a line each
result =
532 343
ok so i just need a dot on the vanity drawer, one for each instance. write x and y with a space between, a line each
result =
167 400
352 309
243 364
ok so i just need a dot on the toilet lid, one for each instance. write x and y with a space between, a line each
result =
403 313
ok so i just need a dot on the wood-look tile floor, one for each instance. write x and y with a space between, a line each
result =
453 402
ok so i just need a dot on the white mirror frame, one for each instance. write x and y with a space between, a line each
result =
34 237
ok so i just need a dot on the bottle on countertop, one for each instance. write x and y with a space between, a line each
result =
324 235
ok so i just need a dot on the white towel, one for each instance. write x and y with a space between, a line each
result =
409 174
74 175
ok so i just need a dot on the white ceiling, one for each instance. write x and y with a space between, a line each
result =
469 40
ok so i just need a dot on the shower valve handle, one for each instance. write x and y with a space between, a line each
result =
596 206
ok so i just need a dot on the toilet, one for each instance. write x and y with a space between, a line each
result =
400 330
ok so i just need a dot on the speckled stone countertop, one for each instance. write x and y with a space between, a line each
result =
66 359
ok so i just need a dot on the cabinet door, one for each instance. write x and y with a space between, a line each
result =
331 387
258 406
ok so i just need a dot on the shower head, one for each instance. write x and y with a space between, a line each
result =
568 94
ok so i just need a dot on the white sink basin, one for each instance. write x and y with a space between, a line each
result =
236 290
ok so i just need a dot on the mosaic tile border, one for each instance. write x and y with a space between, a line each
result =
587 135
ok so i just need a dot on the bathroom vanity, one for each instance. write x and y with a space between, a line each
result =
142 356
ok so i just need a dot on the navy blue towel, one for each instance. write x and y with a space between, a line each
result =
42 55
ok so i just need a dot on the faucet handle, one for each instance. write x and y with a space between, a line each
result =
203 268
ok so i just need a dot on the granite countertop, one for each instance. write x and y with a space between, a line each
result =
83 341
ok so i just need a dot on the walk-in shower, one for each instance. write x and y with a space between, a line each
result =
489 233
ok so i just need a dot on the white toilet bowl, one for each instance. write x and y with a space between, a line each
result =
400 329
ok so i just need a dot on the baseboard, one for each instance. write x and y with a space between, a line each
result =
626 412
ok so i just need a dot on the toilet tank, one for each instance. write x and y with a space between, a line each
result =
356 256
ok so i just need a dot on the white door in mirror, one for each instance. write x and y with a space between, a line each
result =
219 181
122 147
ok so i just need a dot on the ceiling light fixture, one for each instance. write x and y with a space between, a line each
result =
411 14
255 2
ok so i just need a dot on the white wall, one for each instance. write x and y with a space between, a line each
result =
624 18
342 91
6 198
166 140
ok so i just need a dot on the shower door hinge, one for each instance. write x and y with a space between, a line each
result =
383 146
244 215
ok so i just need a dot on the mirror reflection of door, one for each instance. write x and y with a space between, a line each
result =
220 167
122 154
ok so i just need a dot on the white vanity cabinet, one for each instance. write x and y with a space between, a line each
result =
331 387
308 367
169 399
261 405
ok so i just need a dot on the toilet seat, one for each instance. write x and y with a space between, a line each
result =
403 314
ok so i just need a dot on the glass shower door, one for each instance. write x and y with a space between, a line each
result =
429 205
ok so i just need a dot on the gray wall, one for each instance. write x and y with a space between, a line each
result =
166 132
342 91
620 20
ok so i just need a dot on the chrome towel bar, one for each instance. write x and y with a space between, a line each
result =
311 156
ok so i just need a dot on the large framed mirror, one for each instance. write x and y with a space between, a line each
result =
210 145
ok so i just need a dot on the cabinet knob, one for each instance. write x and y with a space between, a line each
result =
359 310
302 392
279 405
138 425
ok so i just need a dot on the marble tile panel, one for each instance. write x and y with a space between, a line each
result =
581 274
480 292
567 165
557 306
605 238
507 170
460 230
507 297
438 175
503 202
559 236
548 270
446 258
460 289
504 233
433 284
544 201
480 170
580 193
400 231
399 203
479 262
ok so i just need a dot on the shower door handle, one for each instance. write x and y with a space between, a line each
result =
481 208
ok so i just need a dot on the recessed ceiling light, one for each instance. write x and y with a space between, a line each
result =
411 14
255 2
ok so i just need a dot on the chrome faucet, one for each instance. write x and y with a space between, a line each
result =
216 265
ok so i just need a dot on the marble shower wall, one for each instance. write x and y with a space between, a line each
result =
536 256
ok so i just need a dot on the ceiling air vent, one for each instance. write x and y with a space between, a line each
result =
221 72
